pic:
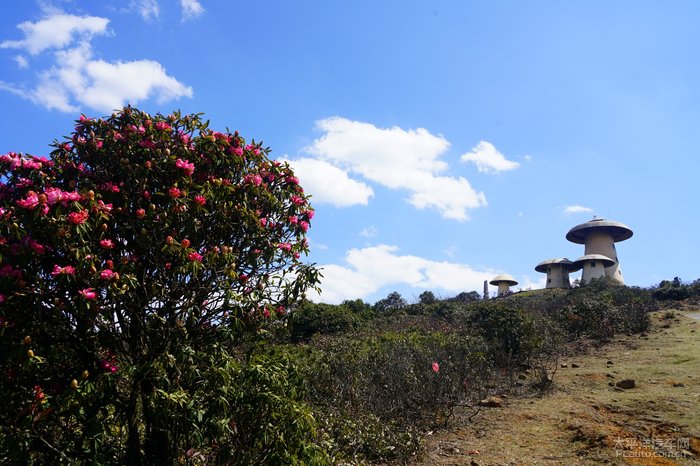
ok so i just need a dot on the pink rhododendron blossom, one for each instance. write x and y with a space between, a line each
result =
141 213
104 208
147 194
200 200
304 226
266 312
37 247
29 202
194 256
107 274
255 179
187 167
296 200
78 218
285 246
162 126
107 243
174 192
292 180
88 293
147 143
436 367
67 270
263 222
293 220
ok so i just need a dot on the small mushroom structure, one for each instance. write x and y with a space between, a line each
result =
557 271
594 266
599 237
503 282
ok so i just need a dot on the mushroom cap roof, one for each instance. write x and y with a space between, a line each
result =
563 261
619 231
503 278
607 262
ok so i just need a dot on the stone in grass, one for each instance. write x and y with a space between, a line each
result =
492 402
626 384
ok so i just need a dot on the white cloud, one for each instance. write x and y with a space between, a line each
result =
76 79
191 9
148 9
576 209
398 159
369 232
56 31
488 159
21 61
329 184
528 284
369 269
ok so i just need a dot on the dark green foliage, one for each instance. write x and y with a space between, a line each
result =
309 319
392 303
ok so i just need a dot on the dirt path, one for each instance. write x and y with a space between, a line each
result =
586 419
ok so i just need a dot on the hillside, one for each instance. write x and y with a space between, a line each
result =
585 420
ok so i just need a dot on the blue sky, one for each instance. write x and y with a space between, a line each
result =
443 142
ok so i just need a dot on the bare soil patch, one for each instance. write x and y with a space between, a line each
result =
586 419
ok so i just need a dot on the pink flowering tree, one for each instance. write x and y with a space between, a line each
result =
142 251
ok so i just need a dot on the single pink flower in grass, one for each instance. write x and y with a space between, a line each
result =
78 218
200 200
436 367
107 243
107 274
195 256
88 293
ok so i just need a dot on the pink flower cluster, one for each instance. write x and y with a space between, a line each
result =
254 179
67 270
78 218
15 161
187 167
88 293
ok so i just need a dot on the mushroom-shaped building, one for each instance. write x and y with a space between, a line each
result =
557 271
503 282
599 236
594 266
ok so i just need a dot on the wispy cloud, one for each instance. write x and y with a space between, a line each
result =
488 159
577 209
148 9
75 79
398 159
369 232
369 269
191 9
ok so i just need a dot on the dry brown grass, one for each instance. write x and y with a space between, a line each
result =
585 420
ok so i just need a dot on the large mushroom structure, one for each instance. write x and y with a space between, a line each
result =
599 237
594 266
503 282
557 271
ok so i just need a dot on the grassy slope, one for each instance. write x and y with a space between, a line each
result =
585 420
